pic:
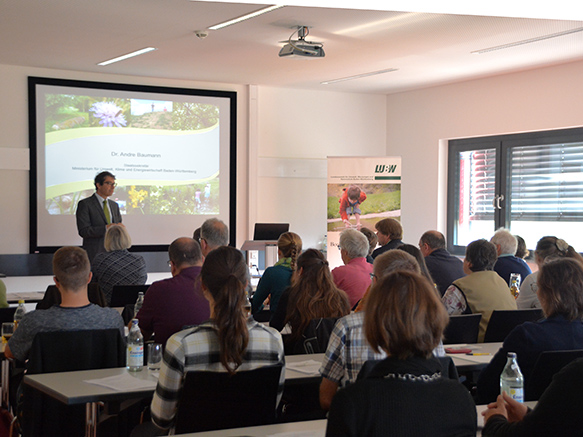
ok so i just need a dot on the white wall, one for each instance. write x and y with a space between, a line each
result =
296 131
418 121
14 192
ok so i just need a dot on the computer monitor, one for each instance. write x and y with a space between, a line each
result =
269 231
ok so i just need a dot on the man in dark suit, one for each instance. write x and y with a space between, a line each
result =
444 267
96 213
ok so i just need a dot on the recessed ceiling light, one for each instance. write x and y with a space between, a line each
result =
359 76
527 41
129 55
246 17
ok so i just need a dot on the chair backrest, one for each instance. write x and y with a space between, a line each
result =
547 364
122 295
217 400
7 314
314 339
61 351
53 296
462 329
503 321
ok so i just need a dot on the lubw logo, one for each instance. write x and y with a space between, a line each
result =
382 168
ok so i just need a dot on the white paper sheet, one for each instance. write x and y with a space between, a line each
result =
123 382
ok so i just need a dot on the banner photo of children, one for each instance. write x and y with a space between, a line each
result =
361 191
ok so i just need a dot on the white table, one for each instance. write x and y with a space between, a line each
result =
310 428
471 363
70 388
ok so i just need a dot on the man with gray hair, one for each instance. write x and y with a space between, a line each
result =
213 233
507 262
443 266
354 276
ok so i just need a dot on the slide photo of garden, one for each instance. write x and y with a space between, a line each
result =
147 144
382 201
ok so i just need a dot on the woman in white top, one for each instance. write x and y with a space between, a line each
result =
547 248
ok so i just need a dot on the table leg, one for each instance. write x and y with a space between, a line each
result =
5 380
91 419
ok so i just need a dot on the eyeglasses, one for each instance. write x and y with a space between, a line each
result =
113 184
169 263
373 276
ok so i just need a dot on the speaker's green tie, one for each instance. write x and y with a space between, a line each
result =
106 212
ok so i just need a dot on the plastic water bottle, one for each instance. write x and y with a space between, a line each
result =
135 351
19 313
515 284
511 380
139 303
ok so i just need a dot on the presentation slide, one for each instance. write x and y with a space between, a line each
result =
169 152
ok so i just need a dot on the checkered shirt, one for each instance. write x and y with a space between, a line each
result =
348 350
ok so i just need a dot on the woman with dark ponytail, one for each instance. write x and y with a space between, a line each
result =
312 295
229 342
277 278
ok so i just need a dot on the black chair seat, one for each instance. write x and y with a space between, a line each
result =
547 364
462 329
122 295
503 321
218 400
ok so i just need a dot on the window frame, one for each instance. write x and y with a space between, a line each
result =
503 144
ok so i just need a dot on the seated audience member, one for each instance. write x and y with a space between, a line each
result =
173 303
521 251
373 240
409 249
196 235
72 274
560 290
354 276
558 411
444 267
229 342
213 233
405 394
547 248
117 266
313 295
3 301
507 262
482 290
277 278
389 234
348 349
416 253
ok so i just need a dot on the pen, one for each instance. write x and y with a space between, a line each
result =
477 353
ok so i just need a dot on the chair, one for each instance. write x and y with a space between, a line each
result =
53 296
217 400
122 295
462 329
7 314
61 351
314 339
547 364
503 321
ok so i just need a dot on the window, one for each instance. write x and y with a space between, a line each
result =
529 183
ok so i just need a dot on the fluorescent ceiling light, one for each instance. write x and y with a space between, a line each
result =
359 76
129 55
527 41
557 9
246 17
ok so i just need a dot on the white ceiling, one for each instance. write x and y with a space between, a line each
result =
427 49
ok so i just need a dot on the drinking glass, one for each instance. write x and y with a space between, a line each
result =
7 331
154 356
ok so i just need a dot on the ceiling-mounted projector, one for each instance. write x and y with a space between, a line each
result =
305 50
301 47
